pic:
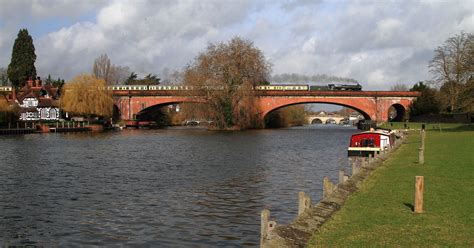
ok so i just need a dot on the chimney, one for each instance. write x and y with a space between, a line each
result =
30 83
38 82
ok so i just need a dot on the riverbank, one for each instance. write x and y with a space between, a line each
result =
380 213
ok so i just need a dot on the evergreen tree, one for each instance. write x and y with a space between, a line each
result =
426 103
22 65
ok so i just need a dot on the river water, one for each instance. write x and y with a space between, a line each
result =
166 188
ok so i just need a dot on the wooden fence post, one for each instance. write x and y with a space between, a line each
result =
423 135
421 155
419 187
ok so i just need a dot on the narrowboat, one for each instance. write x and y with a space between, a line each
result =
370 142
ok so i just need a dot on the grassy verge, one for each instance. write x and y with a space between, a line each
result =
380 214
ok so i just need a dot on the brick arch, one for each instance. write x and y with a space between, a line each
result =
130 107
372 108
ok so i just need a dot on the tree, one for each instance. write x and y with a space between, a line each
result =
225 74
452 67
426 103
22 65
3 77
112 74
399 87
102 68
86 95
131 79
150 79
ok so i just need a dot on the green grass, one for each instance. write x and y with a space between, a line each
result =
380 213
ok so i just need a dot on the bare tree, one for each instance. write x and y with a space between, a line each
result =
112 74
452 67
225 74
102 68
399 87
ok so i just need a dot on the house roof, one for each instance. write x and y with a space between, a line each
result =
39 93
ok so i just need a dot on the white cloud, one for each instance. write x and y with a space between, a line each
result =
376 43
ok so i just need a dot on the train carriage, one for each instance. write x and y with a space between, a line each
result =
5 88
282 87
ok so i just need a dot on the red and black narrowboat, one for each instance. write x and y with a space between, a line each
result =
371 142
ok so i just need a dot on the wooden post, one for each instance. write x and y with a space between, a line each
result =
421 155
265 216
354 167
370 159
328 187
423 135
341 176
301 202
419 187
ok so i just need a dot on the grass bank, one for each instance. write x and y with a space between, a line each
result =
380 214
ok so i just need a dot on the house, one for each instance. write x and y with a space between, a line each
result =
38 102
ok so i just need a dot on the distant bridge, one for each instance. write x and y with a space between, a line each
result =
324 119
373 105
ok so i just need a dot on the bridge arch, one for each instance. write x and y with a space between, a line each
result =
130 107
397 112
316 121
283 104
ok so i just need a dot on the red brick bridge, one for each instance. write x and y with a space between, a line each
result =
374 105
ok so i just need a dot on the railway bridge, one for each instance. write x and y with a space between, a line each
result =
373 105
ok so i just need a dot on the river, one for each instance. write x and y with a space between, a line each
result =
169 187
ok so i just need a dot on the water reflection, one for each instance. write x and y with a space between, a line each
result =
169 187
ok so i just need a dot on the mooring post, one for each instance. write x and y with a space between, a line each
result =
328 187
301 207
421 155
341 176
354 165
304 202
370 160
419 188
265 215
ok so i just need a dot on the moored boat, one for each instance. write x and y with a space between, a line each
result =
370 142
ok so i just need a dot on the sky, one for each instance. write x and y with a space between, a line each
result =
380 43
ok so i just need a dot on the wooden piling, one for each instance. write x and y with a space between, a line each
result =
328 187
419 188
304 202
355 167
301 197
265 216
421 155
341 176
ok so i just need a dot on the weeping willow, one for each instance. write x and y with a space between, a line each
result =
86 95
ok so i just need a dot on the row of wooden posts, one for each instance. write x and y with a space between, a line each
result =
58 125
304 201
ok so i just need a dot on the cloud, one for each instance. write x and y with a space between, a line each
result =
378 44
